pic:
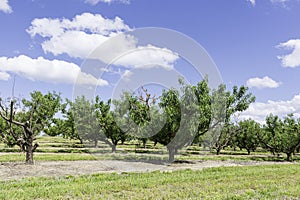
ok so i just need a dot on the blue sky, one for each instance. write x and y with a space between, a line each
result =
253 43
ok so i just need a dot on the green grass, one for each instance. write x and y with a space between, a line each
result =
58 148
19 157
123 155
255 182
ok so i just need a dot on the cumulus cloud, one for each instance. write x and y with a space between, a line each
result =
94 2
258 111
76 44
5 7
126 75
260 83
76 37
51 71
81 35
253 2
4 76
292 59
148 57
279 1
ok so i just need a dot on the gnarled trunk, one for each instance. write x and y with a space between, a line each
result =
29 156
171 151
29 148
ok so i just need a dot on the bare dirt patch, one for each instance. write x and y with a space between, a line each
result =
18 170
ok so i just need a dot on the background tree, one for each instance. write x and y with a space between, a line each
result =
246 137
281 136
225 136
182 119
291 136
271 133
145 115
169 102
65 125
9 132
224 105
85 118
106 120
202 93
36 115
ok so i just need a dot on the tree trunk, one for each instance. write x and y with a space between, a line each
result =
248 150
96 143
289 157
29 155
80 140
171 154
218 150
113 148
29 147
144 143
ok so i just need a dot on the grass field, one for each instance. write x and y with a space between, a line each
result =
255 182
251 182
58 149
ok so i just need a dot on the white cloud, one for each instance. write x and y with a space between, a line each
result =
126 75
148 57
292 59
51 71
252 2
70 44
92 23
94 2
76 37
258 111
279 1
260 83
84 33
4 76
5 7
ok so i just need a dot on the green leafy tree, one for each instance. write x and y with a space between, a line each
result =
65 125
202 93
246 137
36 115
225 136
291 136
182 119
270 136
108 125
145 114
7 131
224 105
83 111
169 101
281 136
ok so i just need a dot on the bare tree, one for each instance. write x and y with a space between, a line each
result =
23 125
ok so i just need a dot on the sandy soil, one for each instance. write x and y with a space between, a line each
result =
11 171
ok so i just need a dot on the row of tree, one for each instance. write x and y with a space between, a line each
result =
178 118
275 135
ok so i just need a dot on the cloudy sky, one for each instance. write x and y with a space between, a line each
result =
43 44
